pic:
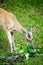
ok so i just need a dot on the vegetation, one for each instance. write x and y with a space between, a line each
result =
27 12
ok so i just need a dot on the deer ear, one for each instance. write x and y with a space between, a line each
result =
29 36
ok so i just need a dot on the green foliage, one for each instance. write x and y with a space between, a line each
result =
27 12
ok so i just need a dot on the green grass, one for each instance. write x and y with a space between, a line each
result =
27 12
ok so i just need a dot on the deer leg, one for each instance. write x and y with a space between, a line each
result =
12 36
10 40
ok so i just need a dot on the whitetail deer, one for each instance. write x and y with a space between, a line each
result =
10 24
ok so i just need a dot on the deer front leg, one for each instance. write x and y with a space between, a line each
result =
10 39
12 36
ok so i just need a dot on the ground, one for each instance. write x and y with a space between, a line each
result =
28 13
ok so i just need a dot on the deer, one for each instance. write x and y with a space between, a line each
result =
10 24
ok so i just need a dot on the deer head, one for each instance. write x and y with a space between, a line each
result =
29 35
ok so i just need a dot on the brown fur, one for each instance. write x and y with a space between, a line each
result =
9 22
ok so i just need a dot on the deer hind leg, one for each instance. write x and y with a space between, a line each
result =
10 39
